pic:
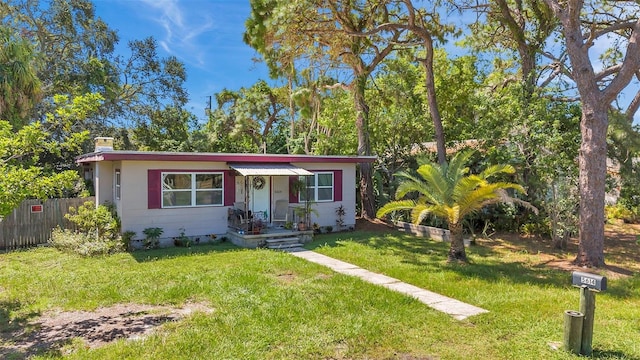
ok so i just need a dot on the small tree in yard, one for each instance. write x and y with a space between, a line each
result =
98 231
448 191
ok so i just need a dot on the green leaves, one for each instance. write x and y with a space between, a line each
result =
448 192
21 175
248 120
19 86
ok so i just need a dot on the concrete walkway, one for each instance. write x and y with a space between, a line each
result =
453 307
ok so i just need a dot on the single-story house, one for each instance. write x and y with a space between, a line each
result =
203 194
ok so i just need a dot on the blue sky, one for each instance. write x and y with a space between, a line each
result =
206 35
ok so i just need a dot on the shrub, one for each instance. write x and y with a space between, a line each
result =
182 239
127 239
621 212
152 239
98 231
101 220
531 228
85 244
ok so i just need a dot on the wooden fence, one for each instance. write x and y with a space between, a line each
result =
31 223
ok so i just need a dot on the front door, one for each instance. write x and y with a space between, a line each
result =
259 197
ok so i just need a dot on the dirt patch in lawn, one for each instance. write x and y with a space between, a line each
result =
376 225
51 331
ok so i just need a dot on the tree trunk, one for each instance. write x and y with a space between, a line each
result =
364 148
593 171
457 252
292 114
430 86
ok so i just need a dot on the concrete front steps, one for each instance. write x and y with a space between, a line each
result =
283 243
280 237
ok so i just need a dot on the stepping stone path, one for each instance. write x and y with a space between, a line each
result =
458 309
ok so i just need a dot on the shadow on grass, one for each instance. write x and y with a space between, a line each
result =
12 329
433 254
172 252
7 324
624 288
608 354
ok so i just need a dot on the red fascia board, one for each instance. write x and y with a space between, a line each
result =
212 157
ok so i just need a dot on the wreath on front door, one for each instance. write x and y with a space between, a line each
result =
258 182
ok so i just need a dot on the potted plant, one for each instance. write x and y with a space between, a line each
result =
256 226
303 213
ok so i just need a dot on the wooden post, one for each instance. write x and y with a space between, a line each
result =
573 331
588 308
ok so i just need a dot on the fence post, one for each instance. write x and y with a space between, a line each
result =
573 330
588 308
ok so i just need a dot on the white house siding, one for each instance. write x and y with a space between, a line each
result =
103 182
279 190
116 202
327 210
135 215
203 221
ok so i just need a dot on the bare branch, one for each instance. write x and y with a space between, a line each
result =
565 99
609 29
608 71
337 86
633 107
630 66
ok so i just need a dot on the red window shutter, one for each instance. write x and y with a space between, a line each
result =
337 185
293 197
154 189
229 188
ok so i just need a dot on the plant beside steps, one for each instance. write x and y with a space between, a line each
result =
283 243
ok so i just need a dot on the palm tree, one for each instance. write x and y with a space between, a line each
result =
20 88
449 192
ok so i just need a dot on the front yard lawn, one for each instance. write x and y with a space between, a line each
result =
260 304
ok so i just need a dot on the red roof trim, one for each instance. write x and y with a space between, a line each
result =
219 157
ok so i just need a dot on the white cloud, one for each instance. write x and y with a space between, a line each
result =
184 24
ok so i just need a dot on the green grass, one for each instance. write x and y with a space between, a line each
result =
271 305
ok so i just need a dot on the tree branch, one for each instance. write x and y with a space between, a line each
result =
630 66
633 107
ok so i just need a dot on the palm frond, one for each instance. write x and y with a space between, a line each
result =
491 194
420 187
437 182
449 192
458 164
419 213
396 206
497 169
505 197
466 185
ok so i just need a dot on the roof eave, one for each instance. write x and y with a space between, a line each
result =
218 157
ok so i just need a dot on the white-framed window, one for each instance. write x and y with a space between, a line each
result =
319 187
117 186
188 189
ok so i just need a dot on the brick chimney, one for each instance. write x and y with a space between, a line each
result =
103 144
